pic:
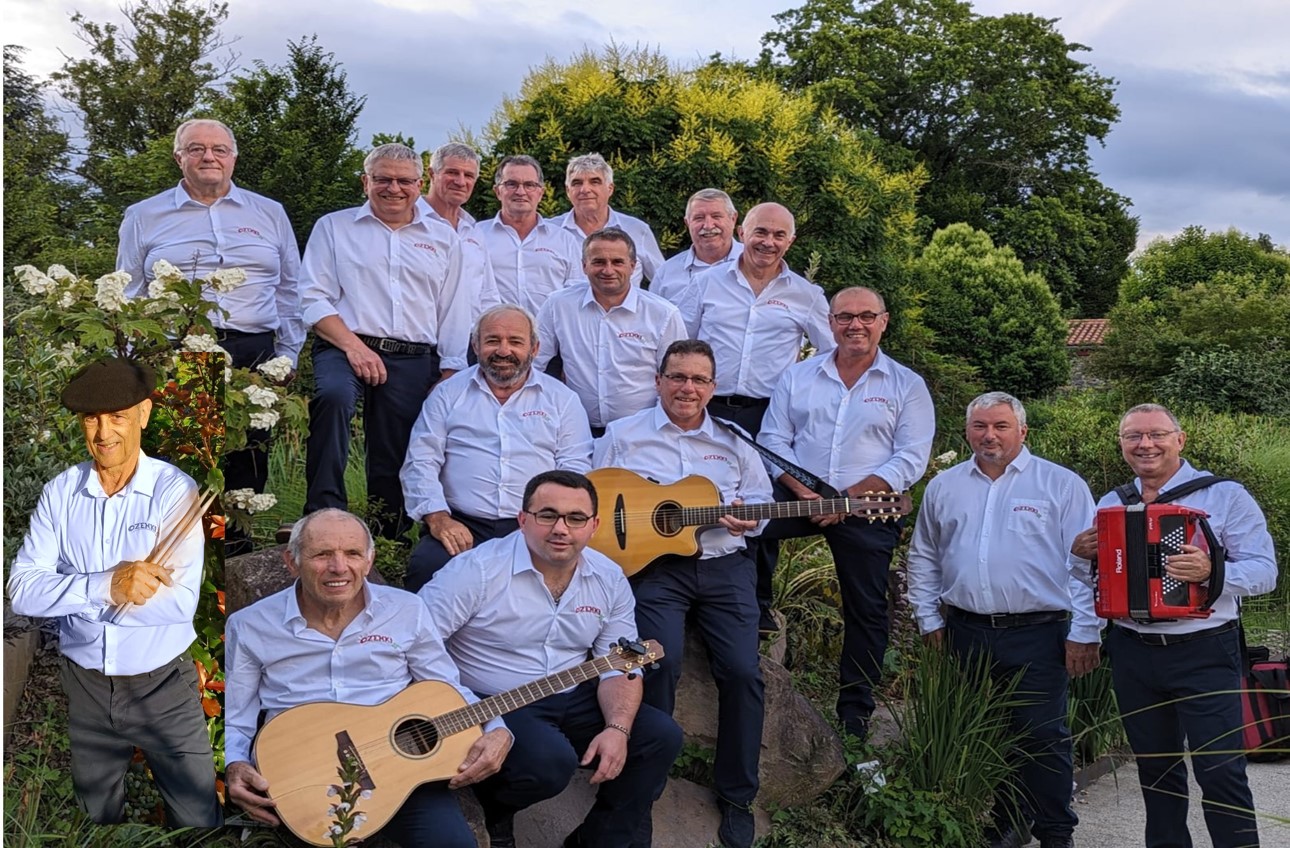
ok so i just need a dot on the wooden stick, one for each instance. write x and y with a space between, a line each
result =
196 509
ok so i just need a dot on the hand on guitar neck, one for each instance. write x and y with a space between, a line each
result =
738 526
872 483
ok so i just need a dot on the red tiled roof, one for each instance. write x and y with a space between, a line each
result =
1086 331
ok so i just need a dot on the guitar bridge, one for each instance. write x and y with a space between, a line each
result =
347 750
620 523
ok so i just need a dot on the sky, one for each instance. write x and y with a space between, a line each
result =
1203 87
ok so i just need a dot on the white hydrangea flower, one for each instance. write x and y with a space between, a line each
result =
260 396
276 368
61 274
66 299
67 355
946 458
240 499
228 374
166 272
202 343
227 279
33 280
261 502
110 291
264 420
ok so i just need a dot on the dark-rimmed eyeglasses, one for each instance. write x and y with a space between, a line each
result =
1154 435
679 380
865 318
548 518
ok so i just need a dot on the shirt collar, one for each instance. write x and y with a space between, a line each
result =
881 365
293 617
482 382
631 303
464 219
661 421
692 260
1017 465
235 195
419 216
143 482
1184 473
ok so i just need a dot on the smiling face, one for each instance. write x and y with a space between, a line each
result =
995 435
113 438
392 186
712 229
333 563
1154 460
608 266
557 545
589 192
455 181
856 340
506 348
519 202
205 172
768 234
685 400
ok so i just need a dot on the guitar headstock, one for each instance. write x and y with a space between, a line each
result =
631 656
880 506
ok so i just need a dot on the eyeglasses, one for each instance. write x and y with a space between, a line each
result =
386 182
680 380
1154 435
219 151
865 318
548 518
512 185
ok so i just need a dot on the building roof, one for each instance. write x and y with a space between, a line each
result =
1086 331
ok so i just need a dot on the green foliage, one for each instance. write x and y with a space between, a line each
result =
987 311
1256 381
1078 431
1195 256
694 763
1094 717
668 132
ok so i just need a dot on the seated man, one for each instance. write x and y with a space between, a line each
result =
312 642
480 436
531 605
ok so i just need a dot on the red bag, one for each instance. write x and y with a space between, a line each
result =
1265 708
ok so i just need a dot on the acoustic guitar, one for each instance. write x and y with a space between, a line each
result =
642 520
419 735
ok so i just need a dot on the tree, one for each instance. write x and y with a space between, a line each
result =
987 310
996 108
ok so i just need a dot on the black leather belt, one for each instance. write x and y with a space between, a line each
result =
227 333
1000 620
740 401
1162 639
396 346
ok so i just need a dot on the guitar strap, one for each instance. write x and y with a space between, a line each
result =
797 472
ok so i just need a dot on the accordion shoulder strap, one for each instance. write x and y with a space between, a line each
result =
1128 493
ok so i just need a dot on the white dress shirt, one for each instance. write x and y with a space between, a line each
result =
78 534
675 280
1237 521
527 271
477 280
882 425
755 337
504 629
274 660
648 256
610 358
652 446
471 453
239 230
1002 546
400 284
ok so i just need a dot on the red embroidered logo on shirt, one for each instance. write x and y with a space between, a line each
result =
532 412
545 250
375 637
628 334
587 608
252 230
1025 508
774 302
875 399
424 246
716 456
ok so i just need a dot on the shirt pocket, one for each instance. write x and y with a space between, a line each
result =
1028 516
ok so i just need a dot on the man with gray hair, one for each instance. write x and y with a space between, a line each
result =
531 255
710 216
589 183
381 287
991 573
206 224
481 436
454 169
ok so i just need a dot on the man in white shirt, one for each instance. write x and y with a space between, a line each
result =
333 636
990 573
589 183
536 603
710 216
381 286
207 224
124 622
610 334
669 441
532 256
1177 682
479 438
862 422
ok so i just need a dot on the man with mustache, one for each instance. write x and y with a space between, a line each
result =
481 436
710 216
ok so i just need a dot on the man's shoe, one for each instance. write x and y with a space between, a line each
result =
1066 841
857 727
1012 838
737 829
501 832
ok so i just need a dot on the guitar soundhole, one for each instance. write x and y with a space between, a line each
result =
415 737
667 519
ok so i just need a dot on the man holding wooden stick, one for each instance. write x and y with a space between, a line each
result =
115 552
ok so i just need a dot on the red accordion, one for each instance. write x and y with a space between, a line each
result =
1132 545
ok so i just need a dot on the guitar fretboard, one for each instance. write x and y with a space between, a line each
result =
693 516
491 707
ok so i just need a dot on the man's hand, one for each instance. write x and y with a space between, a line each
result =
737 526
1190 566
1081 658
1085 544
484 758
249 790
611 746
366 363
935 638
804 494
136 582
452 534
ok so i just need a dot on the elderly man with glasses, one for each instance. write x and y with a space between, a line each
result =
381 287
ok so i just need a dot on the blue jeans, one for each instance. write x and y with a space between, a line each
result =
430 816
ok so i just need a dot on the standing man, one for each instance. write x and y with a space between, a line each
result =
669 441
333 636
536 603
206 224
990 573
532 257
589 183
610 334
381 286
481 435
863 422
1177 682
710 217
124 623
454 169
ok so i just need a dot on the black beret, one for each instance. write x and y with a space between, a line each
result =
107 386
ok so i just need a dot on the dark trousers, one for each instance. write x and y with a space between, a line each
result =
430 555
1045 769
430 816
158 711
389 411
551 737
721 593
1177 698
862 558
247 468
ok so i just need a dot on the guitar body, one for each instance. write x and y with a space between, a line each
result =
639 519
299 750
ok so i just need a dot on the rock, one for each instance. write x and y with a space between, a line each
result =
801 755
249 577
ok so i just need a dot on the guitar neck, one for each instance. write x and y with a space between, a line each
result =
694 516
493 706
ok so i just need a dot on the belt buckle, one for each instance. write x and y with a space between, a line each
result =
387 346
1158 640
997 619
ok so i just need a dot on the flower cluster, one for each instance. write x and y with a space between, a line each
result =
109 291
262 397
227 279
203 343
264 420
248 500
349 791
276 369
34 281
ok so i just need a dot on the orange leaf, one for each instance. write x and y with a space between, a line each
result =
211 707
